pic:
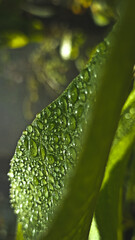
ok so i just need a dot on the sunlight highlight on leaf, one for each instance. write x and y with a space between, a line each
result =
19 233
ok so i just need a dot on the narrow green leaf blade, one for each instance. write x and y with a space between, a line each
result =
108 214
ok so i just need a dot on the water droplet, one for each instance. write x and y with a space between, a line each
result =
21 165
19 153
69 164
86 75
127 116
39 193
38 115
72 153
79 85
50 148
37 133
56 146
132 110
76 142
50 126
40 125
10 174
31 186
25 132
72 123
72 94
62 170
79 111
41 151
82 97
57 112
53 106
29 128
55 138
60 158
50 178
66 138
40 173
45 121
57 185
56 169
62 121
46 192
45 138
56 196
50 159
26 143
86 91
33 148
47 112
35 180
63 104
50 186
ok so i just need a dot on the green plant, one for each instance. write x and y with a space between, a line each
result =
51 145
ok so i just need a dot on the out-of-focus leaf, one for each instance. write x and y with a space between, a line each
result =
108 212
19 233
102 13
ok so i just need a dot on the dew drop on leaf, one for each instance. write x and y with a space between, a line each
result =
127 116
72 94
33 148
50 178
55 138
72 123
29 129
46 192
79 111
42 152
40 125
132 110
72 153
82 97
50 126
66 138
50 159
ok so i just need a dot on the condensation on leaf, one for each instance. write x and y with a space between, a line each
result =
49 148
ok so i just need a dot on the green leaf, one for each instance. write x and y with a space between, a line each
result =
50 148
19 233
73 219
94 232
130 194
108 214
